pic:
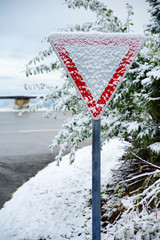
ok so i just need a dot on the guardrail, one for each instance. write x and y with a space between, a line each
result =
19 100
18 97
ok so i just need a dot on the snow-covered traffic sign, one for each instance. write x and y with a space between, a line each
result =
96 63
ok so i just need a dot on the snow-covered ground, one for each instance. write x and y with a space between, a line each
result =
54 203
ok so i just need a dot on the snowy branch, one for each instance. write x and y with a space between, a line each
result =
150 164
139 176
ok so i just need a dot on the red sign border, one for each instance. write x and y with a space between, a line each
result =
60 40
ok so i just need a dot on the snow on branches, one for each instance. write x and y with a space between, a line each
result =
105 20
134 111
133 114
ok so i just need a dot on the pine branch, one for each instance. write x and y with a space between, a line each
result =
150 164
139 176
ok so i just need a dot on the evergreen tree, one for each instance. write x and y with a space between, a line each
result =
154 26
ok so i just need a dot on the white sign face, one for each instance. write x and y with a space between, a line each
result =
97 71
96 63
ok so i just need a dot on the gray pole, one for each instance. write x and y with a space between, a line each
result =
96 180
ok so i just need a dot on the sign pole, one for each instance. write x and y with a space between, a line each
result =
96 180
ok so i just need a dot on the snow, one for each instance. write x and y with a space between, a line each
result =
54 202
96 63
133 126
155 147
144 224
146 81
154 73
97 71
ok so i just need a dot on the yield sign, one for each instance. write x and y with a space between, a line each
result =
96 63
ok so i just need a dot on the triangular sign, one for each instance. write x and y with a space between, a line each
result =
96 63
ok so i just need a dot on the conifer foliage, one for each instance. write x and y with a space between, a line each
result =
154 26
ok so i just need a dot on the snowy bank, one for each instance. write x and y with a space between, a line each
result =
54 203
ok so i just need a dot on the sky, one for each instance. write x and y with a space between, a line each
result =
23 24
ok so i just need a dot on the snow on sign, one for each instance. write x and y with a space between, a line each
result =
96 63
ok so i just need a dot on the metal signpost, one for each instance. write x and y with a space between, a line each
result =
96 64
96 179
